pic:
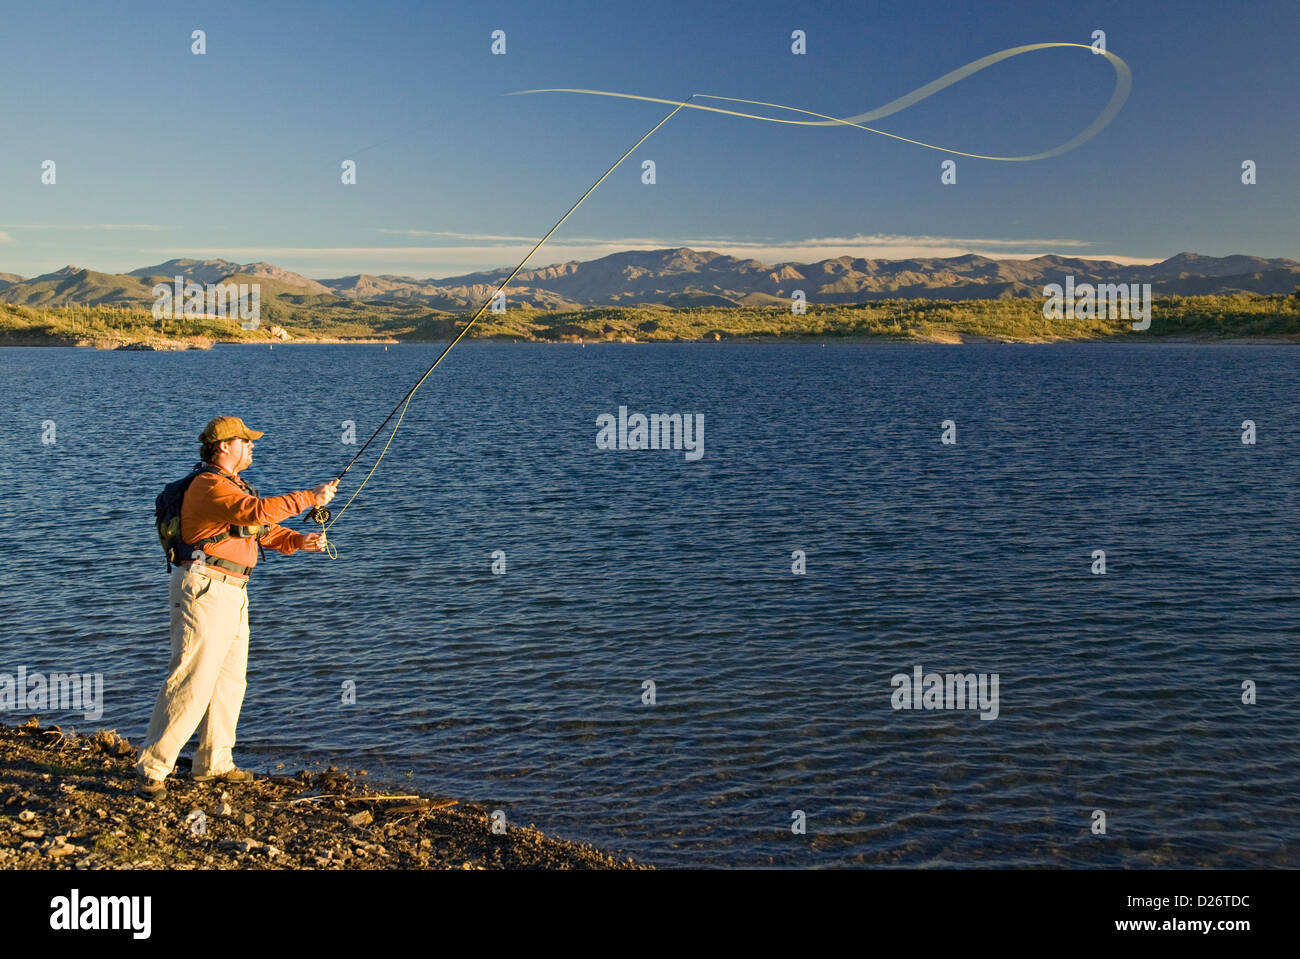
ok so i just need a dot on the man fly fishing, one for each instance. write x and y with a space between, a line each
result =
213 526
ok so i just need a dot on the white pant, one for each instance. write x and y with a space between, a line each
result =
206 676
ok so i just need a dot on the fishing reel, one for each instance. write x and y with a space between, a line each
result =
321 515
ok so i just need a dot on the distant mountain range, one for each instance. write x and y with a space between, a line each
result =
677 278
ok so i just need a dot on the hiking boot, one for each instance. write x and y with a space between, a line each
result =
150 788
230 776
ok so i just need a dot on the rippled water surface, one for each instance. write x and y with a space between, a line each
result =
523 691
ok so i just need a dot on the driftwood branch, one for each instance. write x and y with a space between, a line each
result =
431 803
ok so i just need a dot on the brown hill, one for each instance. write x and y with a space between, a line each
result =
682 277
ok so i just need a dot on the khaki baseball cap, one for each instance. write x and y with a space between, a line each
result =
227 428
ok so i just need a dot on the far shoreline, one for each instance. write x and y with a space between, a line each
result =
968 339
1211 318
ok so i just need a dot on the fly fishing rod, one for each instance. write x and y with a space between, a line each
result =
320 514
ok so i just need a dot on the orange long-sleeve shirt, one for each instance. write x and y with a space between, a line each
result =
213 503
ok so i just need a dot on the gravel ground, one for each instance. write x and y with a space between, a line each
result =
69 802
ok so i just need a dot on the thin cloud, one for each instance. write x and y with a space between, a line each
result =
475 252
736 243
5 237
478 237
86 226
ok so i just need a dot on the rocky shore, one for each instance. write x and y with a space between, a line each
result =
69 802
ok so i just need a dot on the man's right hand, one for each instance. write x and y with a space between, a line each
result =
322 494
313 543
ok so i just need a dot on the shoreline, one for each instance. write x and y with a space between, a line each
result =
955 339
68 801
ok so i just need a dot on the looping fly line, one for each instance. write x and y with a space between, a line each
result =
1123 85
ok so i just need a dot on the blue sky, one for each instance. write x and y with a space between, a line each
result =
236 153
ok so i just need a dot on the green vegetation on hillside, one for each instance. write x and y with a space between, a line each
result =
309 317
109 326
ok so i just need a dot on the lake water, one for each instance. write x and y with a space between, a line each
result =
523 691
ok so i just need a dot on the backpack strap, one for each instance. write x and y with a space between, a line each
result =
202 467
214 468
211 540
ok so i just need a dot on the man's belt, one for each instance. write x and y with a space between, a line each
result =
227 564
224 564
